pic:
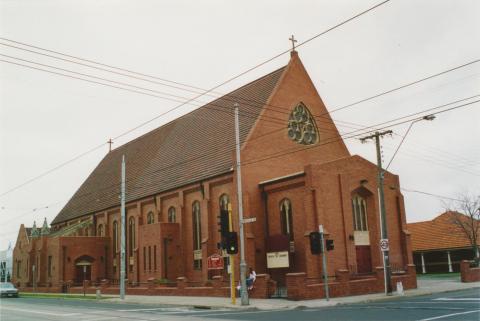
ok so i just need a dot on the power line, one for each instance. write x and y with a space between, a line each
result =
430 194
136 88
52 170
229 96
350 135
198 96
274 155
404 86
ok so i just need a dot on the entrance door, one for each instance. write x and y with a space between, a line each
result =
364 259
79 274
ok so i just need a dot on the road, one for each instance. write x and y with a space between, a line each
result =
459 306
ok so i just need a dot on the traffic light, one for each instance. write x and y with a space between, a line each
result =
223 223
315 245
231 243
329 245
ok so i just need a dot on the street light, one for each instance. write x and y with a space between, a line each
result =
427 117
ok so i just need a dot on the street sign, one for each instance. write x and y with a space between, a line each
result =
384 245
215 262
249 220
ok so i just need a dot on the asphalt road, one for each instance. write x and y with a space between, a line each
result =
459 306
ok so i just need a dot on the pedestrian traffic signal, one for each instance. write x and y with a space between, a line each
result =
329 245
231 243
315 245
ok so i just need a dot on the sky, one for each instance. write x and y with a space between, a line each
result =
47 119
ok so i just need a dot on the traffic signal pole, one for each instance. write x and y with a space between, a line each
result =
324 262
243 264
122 236
231 260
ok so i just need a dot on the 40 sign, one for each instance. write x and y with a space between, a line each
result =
215 262
384 245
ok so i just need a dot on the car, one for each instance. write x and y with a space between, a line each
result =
7 289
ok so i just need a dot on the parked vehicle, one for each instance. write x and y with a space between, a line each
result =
7 289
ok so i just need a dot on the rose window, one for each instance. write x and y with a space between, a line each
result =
301 126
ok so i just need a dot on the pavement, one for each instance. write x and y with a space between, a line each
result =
426 285
458 305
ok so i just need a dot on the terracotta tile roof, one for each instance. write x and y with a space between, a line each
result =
193 147
439 233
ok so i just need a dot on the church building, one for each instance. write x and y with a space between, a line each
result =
297 173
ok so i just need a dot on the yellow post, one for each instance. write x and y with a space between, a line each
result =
231 260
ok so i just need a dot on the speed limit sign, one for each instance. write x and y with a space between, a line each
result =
384 245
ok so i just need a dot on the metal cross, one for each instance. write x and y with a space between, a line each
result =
293 40
110 142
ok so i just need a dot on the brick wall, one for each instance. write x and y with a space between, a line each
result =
469 274
343 284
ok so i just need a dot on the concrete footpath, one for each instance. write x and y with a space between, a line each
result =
426 286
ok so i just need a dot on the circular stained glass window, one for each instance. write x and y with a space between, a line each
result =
301 126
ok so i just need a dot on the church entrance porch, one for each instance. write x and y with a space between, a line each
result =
83 269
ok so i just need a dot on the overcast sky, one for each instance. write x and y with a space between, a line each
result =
47 119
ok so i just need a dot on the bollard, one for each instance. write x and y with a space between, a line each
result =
99 295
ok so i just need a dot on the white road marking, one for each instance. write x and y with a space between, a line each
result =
449 315
456 299
173 311
40 312
145 309
425 302
242 312
101 319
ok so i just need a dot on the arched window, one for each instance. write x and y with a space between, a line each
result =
224 201
150 218
131 235
172 216
197 235
286 220
359 209
100 230
115 238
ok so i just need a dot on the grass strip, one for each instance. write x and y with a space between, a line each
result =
58 296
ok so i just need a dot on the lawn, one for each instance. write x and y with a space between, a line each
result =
439 275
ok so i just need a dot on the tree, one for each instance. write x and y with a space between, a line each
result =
466 216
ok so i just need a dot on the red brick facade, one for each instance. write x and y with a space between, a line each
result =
319 182
469 273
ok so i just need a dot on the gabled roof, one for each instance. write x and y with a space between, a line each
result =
439 233
193 147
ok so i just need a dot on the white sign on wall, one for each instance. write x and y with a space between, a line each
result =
277 260
197 254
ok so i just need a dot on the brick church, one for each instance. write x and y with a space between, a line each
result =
297 173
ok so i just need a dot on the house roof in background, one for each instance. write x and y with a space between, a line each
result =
439 233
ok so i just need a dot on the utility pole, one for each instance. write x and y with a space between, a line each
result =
243 264
324 262
122 234
383 216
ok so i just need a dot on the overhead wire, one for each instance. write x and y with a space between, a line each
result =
137 186
205 92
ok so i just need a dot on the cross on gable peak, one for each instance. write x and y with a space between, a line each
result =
293 40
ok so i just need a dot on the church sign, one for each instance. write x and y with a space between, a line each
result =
277 260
